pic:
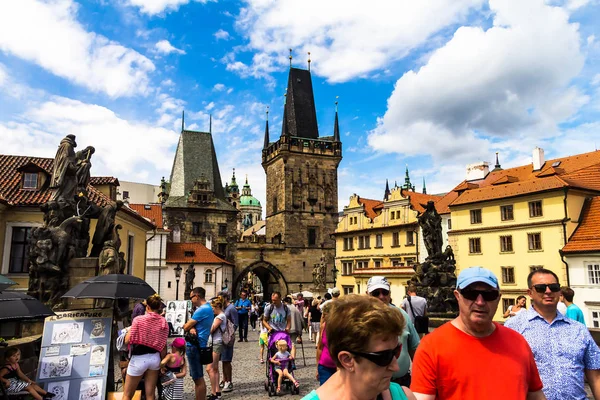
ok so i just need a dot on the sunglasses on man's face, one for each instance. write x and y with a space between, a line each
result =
378 292
382 358
473 294
541 287
192 297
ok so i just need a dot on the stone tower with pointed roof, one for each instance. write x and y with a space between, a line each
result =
196 208
302 196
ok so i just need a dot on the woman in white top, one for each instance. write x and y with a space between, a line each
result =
216 332
520 306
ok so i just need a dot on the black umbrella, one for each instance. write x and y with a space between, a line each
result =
6 283
113 286
19 305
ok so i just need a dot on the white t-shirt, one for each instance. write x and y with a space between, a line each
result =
512 313
217 335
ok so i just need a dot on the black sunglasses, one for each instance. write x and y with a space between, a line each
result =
382 358
472 294
541 287
377 292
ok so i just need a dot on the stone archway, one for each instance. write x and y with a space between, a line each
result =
271 278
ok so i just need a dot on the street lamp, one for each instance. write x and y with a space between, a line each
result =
177 277
334 272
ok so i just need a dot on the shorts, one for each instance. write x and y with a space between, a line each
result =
293 338
139 364
227 353
218 348
263 339
194 364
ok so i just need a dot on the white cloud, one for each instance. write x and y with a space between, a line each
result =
222 35
508 81
3 75
153 7
48 34
346 38
219 87
164 47
210 106
229 90
167 83
112 136
596 80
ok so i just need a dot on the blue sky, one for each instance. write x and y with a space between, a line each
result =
434 85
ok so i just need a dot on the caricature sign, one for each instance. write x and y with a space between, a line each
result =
74 357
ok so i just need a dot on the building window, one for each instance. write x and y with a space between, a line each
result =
222 229
130 242
195 228
409 260
362 264
393 215
379 240
364 242
208 276
349 243
223 249
507 303
347 268
410 238
475 245
506 213
593 271
189 253
476 216
535 208
535 241
397 263
397 214
348 289
595 318
508 275
506 244
125 194
169 285
19 251
449 224
396 239
30 180
535 267
312 236
377 263
358 288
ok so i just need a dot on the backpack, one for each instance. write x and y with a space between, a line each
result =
228 333
271 307
397 392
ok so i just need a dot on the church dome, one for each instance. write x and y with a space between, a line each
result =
249 201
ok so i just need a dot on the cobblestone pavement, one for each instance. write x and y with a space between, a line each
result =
249 373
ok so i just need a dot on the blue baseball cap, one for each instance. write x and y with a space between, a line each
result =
476 274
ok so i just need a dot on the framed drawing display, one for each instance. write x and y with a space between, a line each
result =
178 312
75 354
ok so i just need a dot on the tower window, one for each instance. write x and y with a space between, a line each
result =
274 204
312 236
195 228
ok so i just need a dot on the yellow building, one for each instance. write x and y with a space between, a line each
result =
23 189
376 237
515 220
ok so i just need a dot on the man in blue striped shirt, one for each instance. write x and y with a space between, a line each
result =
563 348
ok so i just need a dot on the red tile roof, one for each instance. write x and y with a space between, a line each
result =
153 212
578 171
104 180
418 200
442 205
14 195
586 237
197 253
371 207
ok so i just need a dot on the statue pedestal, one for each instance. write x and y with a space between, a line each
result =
81 269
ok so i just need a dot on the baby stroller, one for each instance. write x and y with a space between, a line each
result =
271 381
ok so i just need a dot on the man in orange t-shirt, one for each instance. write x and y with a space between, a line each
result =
472 357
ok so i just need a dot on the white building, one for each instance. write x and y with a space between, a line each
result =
138 193
582 255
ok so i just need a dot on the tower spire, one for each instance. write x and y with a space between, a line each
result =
182 120
290 57
386 195
266 144
424 188
210 124
336 125
407 185
497 167
309 61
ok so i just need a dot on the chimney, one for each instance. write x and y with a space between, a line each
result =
538 158
478 171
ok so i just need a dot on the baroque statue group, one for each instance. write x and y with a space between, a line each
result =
65 233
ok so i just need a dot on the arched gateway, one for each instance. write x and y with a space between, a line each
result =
270 277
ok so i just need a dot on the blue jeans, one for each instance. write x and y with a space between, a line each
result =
325 373
243 321
193 355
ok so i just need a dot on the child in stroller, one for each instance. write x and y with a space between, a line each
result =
280 365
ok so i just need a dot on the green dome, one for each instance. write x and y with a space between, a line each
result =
249 201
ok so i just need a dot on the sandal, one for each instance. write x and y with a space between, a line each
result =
262 361
278 391
296 384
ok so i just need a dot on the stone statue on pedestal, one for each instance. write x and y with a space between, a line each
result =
105 227
434 278
190 274
319 274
